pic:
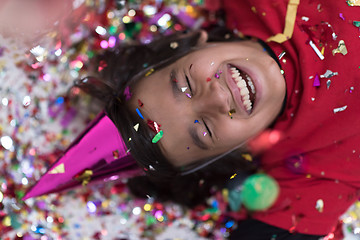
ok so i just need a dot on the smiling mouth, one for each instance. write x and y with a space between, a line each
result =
246 87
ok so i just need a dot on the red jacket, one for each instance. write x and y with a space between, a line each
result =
318 159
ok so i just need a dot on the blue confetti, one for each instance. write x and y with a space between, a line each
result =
139 113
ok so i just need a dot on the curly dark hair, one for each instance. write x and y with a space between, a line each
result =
122 67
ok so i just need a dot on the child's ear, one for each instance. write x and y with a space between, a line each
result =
203 38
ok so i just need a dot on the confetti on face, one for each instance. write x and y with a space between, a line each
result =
139 113
183 89
127 93
204 133
188 95
208 79
231 112
140 103
196 121
154 126
217 75
157 137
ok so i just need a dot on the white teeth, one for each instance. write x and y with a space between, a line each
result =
244 92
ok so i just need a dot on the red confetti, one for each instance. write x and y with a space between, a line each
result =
154 126
140 103
208 79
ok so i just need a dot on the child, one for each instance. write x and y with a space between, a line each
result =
188 105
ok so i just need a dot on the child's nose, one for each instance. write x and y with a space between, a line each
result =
213 100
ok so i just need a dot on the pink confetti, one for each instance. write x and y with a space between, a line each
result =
316 81
341 15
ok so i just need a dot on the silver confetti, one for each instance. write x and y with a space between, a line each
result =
340 109
329 74
328 83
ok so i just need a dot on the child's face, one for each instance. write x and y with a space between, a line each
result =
201 108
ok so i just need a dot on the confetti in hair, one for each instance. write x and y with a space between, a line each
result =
174 45
127 93
157 137
139 113
149 72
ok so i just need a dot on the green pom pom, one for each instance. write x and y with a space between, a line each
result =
260 191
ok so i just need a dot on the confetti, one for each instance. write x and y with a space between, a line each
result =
232 111
340 49
208 79
127 93
316 81
356 23
341 15
84 177
157 137
188 95
352 3
154 126
281 55
136 127
217 75
233 176
140 103
328 83
329 74
317 51
183 89
58 169
289 23
139 113
196 121
148 73
340 109
174 45
319 205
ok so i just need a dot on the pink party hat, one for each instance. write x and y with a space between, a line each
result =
98 154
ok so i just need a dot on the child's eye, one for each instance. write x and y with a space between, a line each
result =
189 85
207 128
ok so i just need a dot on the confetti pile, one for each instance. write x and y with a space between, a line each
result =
40 114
